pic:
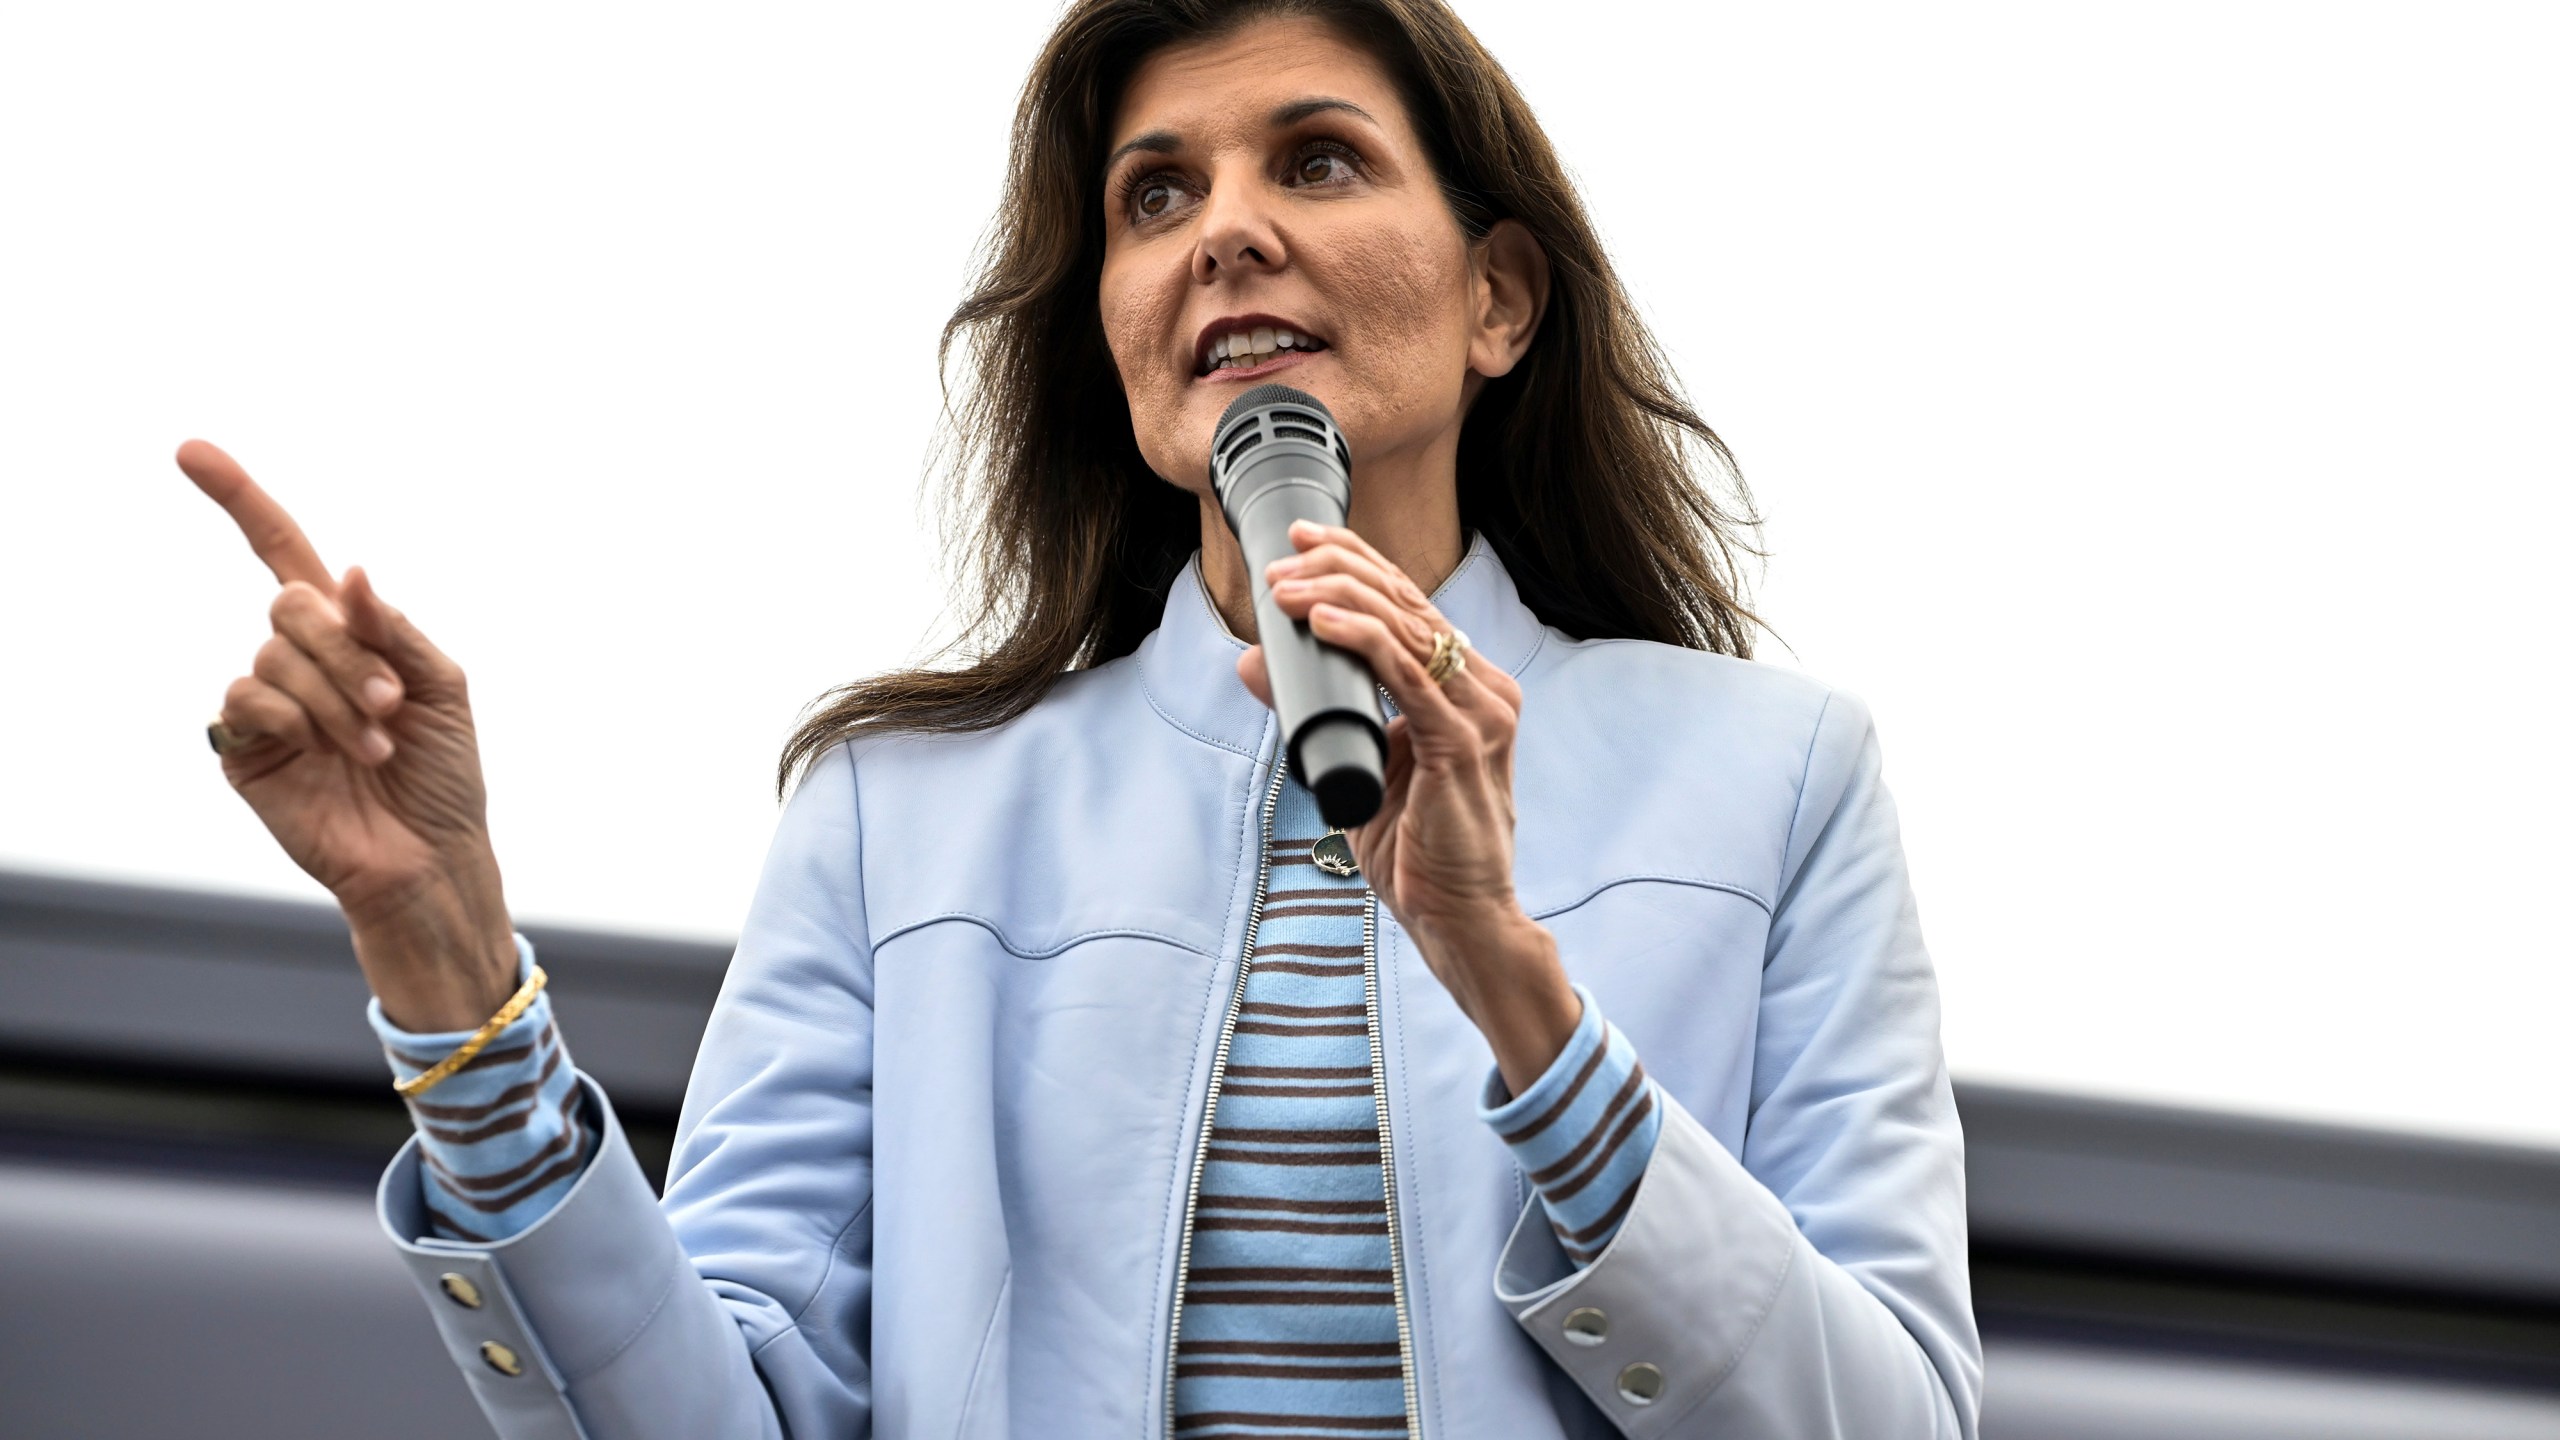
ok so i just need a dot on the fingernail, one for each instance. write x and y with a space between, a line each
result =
377 744
379 693
1285 565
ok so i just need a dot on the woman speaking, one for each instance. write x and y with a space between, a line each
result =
1073 1077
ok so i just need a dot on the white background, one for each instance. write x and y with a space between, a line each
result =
2151 404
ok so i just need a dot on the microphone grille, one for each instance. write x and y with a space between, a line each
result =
1261 395
1272 412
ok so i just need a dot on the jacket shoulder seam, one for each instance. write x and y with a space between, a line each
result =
853 787
1804 787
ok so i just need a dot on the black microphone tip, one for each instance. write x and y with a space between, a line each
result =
1342 759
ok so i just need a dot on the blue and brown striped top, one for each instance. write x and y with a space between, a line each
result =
502 1139
1288 1325
1288 1321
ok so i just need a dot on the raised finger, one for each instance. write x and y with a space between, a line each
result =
261 712
283 664
316 624
270 531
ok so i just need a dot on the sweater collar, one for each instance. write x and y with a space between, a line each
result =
1188 665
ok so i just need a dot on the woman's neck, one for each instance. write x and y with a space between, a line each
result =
1411 518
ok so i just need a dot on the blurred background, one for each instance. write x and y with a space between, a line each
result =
2151 408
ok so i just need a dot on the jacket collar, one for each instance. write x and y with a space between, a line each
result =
1188 665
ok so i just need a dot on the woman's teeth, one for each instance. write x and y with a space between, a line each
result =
1245 349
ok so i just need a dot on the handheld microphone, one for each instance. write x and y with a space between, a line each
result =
1277 459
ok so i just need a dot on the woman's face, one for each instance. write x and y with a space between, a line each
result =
1271 215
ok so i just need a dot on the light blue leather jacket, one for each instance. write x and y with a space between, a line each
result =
932 1173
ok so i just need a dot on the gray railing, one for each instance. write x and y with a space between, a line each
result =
190 1108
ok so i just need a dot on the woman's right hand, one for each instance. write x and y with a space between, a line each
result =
355 747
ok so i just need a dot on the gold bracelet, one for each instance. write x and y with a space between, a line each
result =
427 1079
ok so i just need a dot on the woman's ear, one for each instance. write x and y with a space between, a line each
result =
1511 297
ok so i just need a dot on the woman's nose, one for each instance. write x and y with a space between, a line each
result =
1237 232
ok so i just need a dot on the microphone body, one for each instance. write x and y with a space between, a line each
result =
1277 459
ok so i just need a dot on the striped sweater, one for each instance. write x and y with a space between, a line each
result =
1287 1327
503 1138
1288 1319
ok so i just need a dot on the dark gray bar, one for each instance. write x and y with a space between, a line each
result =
92 971
2192 1187
188 979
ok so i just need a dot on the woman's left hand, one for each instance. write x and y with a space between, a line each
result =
1438 853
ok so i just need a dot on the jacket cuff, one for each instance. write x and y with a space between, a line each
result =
527 1317
1653 1325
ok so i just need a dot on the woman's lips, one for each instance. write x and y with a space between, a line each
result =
1236 341
1280 360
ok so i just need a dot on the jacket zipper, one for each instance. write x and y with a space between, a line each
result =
1209 1120
1217 1077
1386 1137
1387 1160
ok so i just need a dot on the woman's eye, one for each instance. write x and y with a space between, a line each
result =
1317 168
1154 197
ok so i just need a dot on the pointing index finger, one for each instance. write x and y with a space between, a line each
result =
270 531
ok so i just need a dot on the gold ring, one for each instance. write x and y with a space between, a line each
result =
225 740
1448 656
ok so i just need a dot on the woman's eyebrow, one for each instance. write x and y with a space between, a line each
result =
1160 142
1297 110
1165 142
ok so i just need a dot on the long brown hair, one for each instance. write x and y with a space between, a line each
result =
1614 507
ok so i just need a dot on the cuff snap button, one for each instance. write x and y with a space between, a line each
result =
1640 1383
